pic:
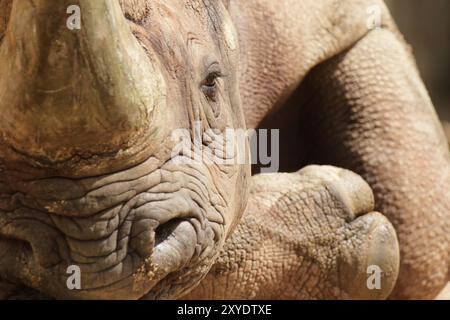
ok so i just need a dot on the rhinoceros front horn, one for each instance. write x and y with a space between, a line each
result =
67 92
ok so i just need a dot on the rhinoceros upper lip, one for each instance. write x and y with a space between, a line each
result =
177 244
178 239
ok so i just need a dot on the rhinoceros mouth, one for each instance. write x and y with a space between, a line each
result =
177 249
139 233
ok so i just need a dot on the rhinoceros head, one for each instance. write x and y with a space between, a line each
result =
91 178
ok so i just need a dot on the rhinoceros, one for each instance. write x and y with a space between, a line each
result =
91 186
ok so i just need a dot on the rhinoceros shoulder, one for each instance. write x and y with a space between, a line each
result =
281 41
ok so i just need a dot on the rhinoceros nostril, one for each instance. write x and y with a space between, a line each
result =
164 231
145 235
17 242
175 243
15 254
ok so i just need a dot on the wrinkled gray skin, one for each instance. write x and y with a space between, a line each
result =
87 175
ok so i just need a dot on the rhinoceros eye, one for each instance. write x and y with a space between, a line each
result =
210 85
213 88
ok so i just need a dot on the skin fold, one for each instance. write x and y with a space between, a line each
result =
92 180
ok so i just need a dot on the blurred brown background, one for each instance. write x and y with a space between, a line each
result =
426 26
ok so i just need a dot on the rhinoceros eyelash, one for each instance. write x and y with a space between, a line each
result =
215 75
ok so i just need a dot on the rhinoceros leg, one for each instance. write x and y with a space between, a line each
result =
367 110
306 235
